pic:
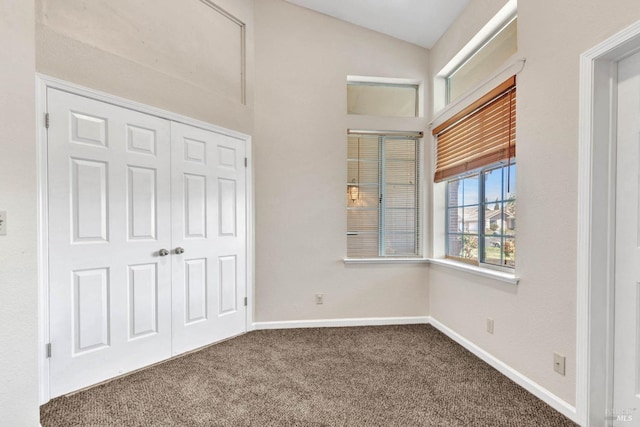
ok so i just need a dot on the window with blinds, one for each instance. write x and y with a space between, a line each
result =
383 197
476 157
481 134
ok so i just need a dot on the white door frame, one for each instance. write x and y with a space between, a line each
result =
596 223
42 83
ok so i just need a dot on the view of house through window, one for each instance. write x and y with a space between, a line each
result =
481 216
383 198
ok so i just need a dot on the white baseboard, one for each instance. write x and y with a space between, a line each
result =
333 323
532 387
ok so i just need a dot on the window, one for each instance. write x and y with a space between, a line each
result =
483 61
476 158
383 195
481 217
382 99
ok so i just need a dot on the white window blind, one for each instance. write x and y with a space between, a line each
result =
383 196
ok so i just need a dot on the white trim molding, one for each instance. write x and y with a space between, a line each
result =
337 323
476 270
523 381
596 223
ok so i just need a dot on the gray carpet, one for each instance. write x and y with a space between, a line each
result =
368 376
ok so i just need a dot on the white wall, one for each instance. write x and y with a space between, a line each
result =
536 317
184 57
18 279
300 147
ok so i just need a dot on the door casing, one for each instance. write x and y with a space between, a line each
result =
42 83
596 223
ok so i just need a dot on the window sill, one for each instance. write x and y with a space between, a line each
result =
385 260
478 271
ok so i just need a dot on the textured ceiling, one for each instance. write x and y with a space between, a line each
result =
420 22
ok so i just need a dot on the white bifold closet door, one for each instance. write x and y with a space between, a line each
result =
146 236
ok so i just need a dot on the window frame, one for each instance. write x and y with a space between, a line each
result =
447 77
405 85
439 104
481 230
381 256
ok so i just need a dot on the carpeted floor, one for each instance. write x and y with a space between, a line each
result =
367 376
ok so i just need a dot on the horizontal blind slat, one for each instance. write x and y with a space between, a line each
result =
485 136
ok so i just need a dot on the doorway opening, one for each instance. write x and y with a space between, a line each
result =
596 225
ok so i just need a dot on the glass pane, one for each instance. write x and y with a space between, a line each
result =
454 220
362 245
493 250
469 223
509 251
400 149
400 244
485 61
510 199
470 190
362 220
400 219
454 245
469 247
400 171
400 196
363 147
492 219
509 224
363 172
493 185
377 99
362 196
454 193
509 181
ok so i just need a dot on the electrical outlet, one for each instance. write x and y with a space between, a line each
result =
3 223
559 363
490 325
319 298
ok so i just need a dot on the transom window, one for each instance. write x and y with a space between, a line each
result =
383 196
499 47
382 99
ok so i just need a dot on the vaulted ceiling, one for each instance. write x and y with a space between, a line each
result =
420 22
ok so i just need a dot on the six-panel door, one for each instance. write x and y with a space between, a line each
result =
208 215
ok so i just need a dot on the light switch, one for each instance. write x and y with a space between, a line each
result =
3 223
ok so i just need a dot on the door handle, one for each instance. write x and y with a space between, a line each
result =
163 252
179 250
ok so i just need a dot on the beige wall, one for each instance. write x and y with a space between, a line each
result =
18 280
302 60
184 57
300 148
536 317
